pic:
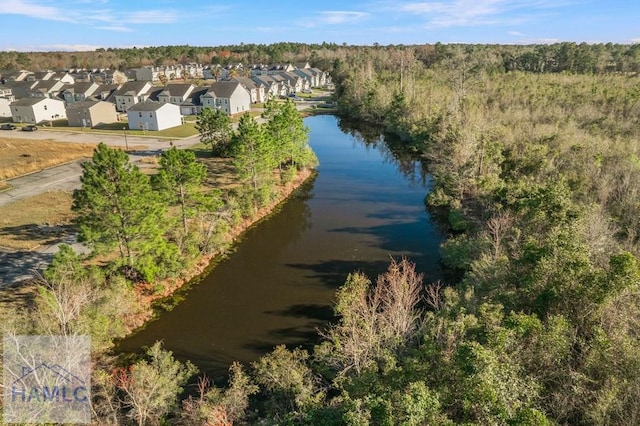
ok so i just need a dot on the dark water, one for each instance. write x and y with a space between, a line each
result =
277 287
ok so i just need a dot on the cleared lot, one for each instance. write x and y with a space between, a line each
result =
20 156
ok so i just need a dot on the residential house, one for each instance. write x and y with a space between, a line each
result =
19 89
256 91
36 110
6 93
151 115
78 92
131 93
296 83
311 78
5 108
91 113
13 75
147 74
63 76
108 76
175 93
322 76
46 88
272 88
192 105
228 96
40 75
284 88
106 92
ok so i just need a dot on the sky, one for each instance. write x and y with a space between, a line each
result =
81 25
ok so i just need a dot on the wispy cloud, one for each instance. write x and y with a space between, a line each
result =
32 10
515 33
341 16
152 17
114 28
457 13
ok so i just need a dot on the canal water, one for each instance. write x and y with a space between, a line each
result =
277 286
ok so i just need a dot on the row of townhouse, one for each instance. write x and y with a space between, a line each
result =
148 107
88 103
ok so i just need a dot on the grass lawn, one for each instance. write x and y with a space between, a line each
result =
22 156
178 132
35 221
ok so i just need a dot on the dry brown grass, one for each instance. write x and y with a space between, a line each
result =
22 156
35 221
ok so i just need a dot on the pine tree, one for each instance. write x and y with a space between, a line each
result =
215 129
117 207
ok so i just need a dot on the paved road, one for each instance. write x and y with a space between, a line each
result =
66 177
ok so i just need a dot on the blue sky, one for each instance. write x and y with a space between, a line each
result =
44 25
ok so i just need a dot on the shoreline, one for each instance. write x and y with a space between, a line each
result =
151 302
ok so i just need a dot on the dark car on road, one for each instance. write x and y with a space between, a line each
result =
7 126
29 128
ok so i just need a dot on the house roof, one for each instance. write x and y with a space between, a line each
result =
147 106
30 101
194 97
224 89
177 89
86 104
246 82
81 87
19 89
136 87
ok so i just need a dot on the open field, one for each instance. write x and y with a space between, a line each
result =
35 221
22 156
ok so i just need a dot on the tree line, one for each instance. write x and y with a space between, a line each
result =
567 57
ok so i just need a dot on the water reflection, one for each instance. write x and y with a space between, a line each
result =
390 147
277 287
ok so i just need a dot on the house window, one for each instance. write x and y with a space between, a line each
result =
150 115
45 107
140 114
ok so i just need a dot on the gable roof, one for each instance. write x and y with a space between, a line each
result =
224 89
149 106
246 82
31 101
177 89
194 97
86 104
135 87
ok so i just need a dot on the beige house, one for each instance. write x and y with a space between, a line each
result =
91 113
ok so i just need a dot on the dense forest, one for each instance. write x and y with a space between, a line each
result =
552 58
535 161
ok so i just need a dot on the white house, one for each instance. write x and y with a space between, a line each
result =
36 110
150 115
228 96
5 109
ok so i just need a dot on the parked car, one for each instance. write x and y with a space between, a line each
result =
29 128
307 91
7 126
